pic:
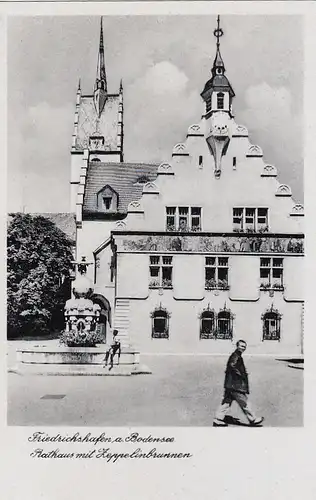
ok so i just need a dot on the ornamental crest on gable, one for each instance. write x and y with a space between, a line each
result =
269 171
298 209
254 151
194 129
165 168
135 206
180 149
150 187
283 190
120 224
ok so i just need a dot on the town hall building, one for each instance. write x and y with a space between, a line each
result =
194 252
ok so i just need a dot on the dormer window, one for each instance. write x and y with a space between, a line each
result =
107 199
220 100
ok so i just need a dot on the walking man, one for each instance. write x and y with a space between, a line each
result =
112 349
236 388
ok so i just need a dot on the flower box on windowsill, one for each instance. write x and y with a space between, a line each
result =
160 335
261 230
216 336
216 285
275 288
166 284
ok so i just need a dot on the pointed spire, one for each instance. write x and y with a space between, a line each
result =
121 86
101 82
218 61
79 86
100 88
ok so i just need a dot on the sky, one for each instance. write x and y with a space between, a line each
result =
164 63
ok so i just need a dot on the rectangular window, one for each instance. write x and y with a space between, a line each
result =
160 271
271 273
262 219
220 101
195 219
238 219
183 218
216 273
250 219
201 161
171 218
234 162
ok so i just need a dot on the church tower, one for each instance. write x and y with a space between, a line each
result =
98 126
218 96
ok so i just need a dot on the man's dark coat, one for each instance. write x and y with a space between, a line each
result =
236 378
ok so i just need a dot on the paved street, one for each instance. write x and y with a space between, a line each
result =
182 391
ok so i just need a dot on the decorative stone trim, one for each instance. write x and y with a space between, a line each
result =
150 188
297 211
283 190
165 169
135 207
120 224
254 151
195 130
269 171
240 131
180 150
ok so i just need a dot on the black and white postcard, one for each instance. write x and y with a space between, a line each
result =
156 285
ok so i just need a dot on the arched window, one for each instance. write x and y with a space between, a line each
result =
207 324
224 324
160 323
220 100
95 159
271 324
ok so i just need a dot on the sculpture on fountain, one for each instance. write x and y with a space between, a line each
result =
81 314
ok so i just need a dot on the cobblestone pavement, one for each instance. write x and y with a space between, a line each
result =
182 391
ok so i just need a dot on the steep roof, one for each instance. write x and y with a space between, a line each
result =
122 177
63 220
89 122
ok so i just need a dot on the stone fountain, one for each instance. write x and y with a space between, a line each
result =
79 351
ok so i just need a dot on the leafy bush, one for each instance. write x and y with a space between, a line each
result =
39 258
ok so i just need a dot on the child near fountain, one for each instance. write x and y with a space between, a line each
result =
112 349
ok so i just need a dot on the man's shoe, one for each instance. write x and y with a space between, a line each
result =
257 421
219 423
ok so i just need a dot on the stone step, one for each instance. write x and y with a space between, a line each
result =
79 370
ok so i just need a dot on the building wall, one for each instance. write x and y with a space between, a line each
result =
242 186
188 298
184 325
191 184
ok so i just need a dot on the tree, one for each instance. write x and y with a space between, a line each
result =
39 259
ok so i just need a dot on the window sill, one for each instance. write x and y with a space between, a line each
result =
251 231
184 230
219 288
271 340
215 337
156 287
